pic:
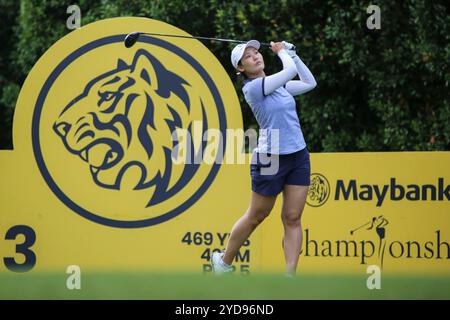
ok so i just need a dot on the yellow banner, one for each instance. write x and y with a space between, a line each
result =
386 209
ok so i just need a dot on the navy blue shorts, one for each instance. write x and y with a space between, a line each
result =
293 168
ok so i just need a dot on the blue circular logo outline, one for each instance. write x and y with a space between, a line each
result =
37 148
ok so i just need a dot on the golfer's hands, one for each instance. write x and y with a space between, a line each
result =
290 49
276 46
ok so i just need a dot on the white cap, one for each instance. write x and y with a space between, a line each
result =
238 51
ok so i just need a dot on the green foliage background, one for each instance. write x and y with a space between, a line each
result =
378 90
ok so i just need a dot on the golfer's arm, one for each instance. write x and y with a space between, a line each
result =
306 82
279 79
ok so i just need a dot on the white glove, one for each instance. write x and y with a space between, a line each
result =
290 49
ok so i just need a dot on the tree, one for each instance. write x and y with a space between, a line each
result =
378 90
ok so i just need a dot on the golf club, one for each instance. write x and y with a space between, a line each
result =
133 37
365 224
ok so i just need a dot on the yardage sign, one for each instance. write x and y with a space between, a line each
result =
97 132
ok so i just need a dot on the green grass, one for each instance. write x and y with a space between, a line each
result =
235 287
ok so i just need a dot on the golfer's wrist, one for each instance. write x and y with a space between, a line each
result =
282 52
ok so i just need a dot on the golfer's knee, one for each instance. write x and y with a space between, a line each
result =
291 218
256 216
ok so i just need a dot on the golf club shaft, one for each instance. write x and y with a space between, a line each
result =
202 38
365 224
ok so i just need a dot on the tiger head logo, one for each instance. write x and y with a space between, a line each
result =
318 191
125 118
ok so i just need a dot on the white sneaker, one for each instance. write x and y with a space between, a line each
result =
219 267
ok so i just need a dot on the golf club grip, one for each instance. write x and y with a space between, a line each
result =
268 44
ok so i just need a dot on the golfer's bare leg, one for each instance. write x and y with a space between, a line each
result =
294 198
260 207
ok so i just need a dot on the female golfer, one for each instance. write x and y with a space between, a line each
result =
280 163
